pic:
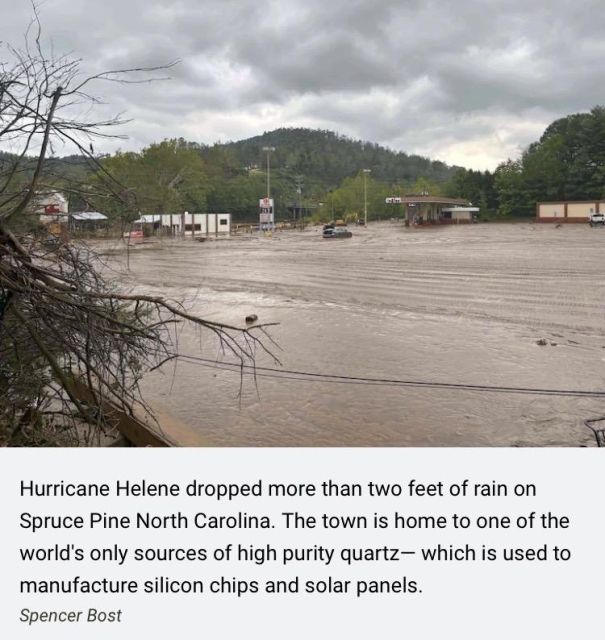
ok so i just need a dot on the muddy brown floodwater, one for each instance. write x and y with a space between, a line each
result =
463 304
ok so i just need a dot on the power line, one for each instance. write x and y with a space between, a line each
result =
305 376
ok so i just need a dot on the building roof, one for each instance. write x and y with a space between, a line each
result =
149 218
152 218
434 200
88 215
50 197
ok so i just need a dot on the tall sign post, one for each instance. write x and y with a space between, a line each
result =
267 214
268 198
365 197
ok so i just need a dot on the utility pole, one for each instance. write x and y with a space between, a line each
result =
299 184
269 150
365 197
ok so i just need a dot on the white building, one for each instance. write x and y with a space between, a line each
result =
194 224
51 207
458 215
50 203
568 210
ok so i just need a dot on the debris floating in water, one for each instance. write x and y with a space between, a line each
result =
543 342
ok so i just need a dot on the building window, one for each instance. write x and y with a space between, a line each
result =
447 215
198 227
224 221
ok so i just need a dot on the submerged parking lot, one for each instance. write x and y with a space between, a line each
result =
458 304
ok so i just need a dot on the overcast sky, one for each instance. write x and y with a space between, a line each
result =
468 82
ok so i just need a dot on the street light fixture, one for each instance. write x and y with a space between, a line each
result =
269 150
365 197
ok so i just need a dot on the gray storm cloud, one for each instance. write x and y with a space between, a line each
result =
469 83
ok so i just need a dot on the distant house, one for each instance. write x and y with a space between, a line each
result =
50 204
87 221
53 209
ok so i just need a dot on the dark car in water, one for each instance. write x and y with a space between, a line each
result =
337 233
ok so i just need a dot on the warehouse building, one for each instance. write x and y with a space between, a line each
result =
188 224
568 211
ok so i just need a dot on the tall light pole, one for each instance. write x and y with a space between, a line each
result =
298 204
365 197
269 150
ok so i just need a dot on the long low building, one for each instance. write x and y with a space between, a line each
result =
568 210
189 224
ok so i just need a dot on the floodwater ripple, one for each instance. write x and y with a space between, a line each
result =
459 304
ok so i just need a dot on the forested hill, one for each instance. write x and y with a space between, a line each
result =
329 158
72 167
308 167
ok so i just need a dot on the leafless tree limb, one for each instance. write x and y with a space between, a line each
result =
59 316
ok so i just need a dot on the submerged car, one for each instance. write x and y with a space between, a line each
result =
337 233
597 219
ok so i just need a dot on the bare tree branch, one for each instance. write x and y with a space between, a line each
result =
59 316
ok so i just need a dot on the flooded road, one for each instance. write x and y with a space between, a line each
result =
459 304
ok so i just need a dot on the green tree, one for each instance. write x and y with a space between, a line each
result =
164 178
423 185
511 189
567 163
477 187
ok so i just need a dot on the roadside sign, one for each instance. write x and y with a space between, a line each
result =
393 200
266 214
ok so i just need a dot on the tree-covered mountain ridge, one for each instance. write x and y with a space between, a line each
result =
307 166
329 157
324 156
